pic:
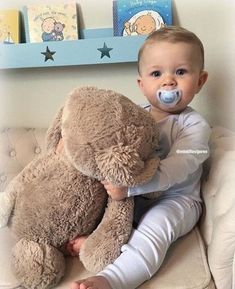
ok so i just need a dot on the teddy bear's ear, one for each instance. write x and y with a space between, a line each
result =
82 158
53 134
122 165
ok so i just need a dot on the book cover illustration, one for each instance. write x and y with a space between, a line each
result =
9 26
51 22
140 17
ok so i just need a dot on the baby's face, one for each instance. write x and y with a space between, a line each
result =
145 25
48 25
169 66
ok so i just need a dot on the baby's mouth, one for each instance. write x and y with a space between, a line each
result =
169 97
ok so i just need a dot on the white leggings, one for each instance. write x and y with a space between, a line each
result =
162 224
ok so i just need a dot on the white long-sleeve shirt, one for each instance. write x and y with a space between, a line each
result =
182 150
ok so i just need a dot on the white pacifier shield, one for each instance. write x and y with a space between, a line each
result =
169 97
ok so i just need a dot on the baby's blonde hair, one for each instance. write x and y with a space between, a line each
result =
173 34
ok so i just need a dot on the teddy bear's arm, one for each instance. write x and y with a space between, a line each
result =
103 246
7 202
8 198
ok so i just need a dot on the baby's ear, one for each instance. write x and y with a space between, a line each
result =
119 164
202 79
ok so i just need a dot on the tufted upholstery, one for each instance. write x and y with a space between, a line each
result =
187 264
18 147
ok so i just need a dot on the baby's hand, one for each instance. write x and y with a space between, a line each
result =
115 192
127 25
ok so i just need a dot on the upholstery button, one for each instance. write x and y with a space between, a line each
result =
3 178
37 150
5 129
13 153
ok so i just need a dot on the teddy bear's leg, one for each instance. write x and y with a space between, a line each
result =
103 246
37 266
7 201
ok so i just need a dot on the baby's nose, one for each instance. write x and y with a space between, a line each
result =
169 80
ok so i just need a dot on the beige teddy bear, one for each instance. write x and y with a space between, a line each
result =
58 196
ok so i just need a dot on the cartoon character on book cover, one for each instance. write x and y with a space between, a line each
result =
143 23
140 17
51 22
52 30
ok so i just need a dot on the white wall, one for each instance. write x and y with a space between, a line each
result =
30 97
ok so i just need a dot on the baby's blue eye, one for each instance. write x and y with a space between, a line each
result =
156 73
181 71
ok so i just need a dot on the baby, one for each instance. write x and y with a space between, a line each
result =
171 73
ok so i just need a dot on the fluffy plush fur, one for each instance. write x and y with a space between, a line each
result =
58 197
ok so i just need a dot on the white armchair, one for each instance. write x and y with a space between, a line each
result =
202 259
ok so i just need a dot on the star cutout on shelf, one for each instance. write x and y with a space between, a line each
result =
48 54
104 50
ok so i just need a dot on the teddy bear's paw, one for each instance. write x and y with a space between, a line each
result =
37 266
6 205
103 246
96 254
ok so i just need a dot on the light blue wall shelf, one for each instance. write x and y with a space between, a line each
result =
96 46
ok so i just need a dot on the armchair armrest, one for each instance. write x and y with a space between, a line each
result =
218 221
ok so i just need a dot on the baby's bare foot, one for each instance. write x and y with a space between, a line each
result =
96 282
74 246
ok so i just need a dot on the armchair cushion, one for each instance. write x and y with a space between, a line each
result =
186 264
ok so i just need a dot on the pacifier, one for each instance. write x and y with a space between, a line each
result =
169 97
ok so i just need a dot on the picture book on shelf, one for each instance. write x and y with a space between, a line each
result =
140 17
52 22
9 26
